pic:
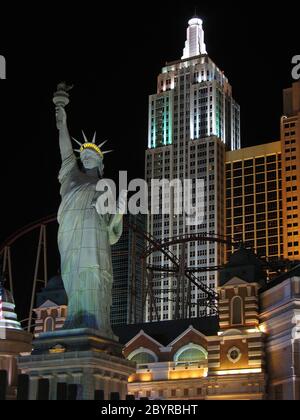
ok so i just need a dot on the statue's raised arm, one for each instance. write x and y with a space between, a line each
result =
65 143
61 100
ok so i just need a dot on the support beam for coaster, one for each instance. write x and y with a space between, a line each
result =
133 290
41 262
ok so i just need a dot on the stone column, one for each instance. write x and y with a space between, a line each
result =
99 381
88 383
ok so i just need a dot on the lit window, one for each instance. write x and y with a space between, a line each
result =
142 358
191 354
237 311
49 324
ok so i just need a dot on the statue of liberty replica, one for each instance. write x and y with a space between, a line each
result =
85 352
85 234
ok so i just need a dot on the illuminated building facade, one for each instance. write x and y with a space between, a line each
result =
251 354
280 320
263 190
254 199
205 359
193 118
51 307
290 141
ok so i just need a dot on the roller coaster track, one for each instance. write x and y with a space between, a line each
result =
156 245
190 237
5 254
25 230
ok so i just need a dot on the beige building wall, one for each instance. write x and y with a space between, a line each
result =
280 320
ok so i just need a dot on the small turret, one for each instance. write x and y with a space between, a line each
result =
8 317
13 340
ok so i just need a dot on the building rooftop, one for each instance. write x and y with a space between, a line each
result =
294 272
245 265
54 291
166 331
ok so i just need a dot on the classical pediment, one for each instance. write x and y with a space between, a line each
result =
235 281
48 304
143 334
190 329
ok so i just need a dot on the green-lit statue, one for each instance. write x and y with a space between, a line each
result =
85 236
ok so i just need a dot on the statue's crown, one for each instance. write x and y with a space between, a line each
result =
92 146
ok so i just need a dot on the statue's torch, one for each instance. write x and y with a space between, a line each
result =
61 97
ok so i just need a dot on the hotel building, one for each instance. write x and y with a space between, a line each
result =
254 199
263 190
193 119
290 143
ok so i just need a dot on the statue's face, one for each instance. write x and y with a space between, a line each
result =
90 159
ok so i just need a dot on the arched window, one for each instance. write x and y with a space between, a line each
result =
143 356
191 354
49 324
237 311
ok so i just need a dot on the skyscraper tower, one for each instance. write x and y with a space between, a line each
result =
127 286
193 120
290 144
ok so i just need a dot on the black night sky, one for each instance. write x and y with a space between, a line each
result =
112 54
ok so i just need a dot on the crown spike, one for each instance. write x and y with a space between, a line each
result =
105 152
84 136
94 138
76 150
102 144
79 144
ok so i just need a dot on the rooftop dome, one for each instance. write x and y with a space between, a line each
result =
245 265
55 283
243 256
54 291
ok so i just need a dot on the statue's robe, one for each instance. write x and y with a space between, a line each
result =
84 241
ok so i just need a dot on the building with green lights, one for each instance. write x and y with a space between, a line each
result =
193 120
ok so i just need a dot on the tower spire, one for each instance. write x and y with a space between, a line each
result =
194 44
